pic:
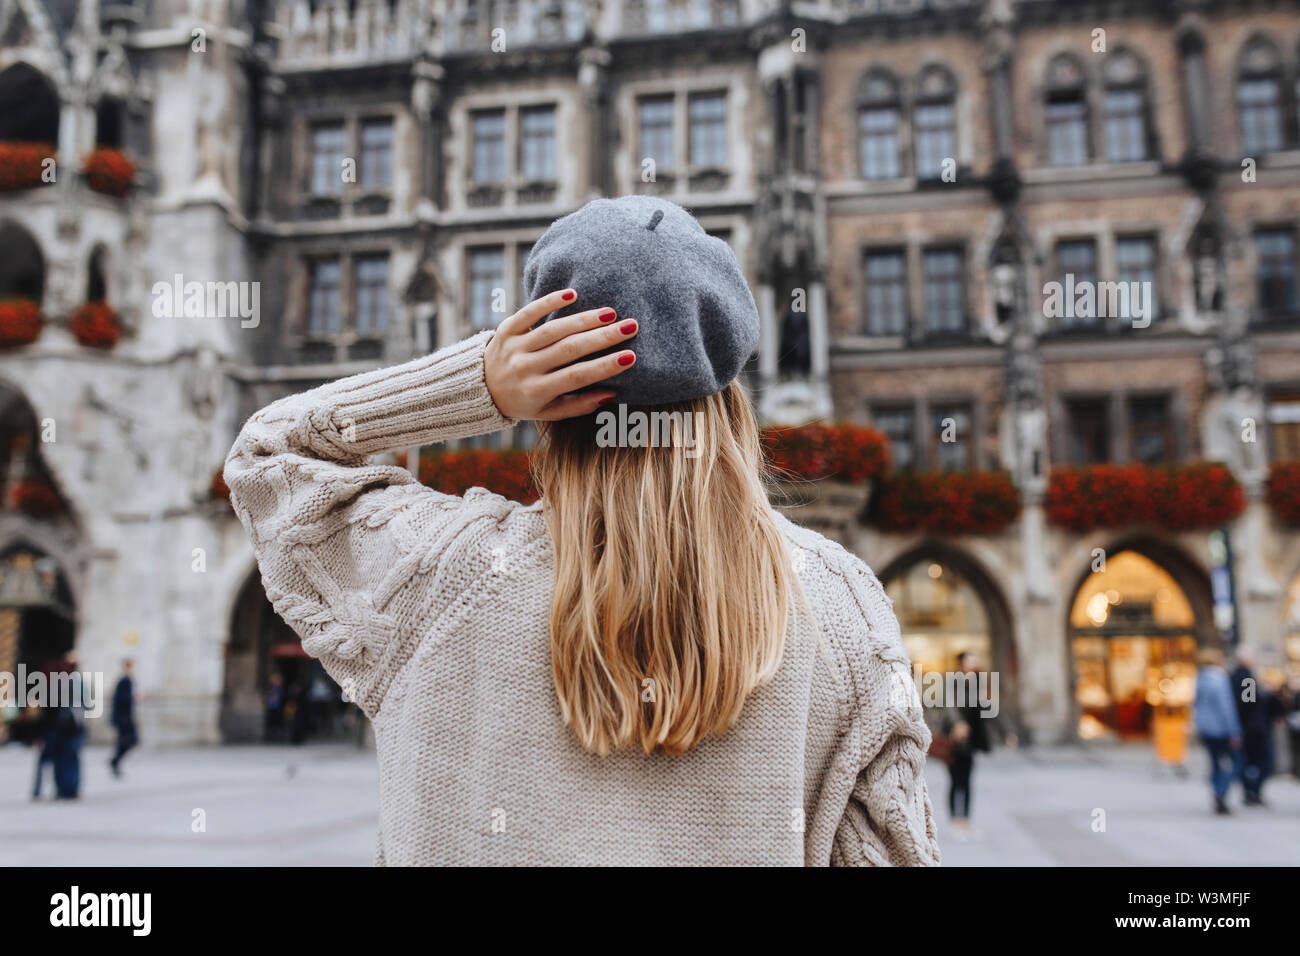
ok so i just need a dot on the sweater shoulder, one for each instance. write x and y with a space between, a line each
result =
853 611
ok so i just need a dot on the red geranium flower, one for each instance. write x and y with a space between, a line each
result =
20 322
96 325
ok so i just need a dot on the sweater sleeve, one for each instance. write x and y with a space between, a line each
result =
322 520
888 820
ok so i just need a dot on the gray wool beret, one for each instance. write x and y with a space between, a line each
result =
650 260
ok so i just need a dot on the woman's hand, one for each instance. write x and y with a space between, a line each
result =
531 373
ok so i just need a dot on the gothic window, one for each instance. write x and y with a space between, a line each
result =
1125 108
1150 430
1088 432
951 446
878 127
934 122
1259 99
898 425
1066 113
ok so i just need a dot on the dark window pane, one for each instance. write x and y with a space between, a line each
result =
1088 425
708 116
1149 426
878 142
377 154
936 139
1067 131
1076 262
1125 126
1259 103
897 424
489 156
945 307
327 159
537 144
1276 271
655 129
886 277
952 437
323 304
371 285
1135 261
1284 427
487 282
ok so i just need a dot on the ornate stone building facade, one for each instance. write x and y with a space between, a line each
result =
360 180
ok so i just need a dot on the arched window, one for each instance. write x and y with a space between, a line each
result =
878 121
1259 99
22 266
934 122
1066 113
1124 108
29 108
97 276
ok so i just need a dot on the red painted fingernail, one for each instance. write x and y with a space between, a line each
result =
627 358
627 328
607 399
569 296
607 315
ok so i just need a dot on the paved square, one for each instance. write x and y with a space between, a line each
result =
317 805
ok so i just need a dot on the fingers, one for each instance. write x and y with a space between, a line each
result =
583 374
553 331
535 311
571 406
580 344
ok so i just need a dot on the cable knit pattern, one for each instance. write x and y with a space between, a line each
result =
431 611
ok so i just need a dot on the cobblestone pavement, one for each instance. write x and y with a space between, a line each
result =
317 805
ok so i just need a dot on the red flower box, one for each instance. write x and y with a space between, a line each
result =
108 171
849 453
21 165
97 326
1171 497
1284 492
502 470
20 322
36 499
949 503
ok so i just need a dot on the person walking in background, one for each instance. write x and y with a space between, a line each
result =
67 734
122 717
967 731
275 700
1257 709
1291 714
1217 724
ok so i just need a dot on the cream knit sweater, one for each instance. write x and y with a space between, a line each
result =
431 611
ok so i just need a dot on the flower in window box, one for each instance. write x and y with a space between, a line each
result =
21 165
108 171
95 325
20 322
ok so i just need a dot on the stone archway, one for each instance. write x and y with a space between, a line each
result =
1133 627
947 604
22 264
264 653
29 106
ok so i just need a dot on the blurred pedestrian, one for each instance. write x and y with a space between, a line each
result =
966 727
68 734
122 717
1255 711
1218 724
275 701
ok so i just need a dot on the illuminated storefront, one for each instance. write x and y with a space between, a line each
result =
1133 640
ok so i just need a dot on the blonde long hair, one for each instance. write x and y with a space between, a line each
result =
672 579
